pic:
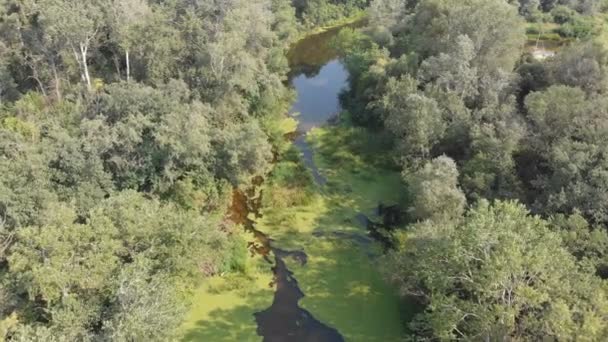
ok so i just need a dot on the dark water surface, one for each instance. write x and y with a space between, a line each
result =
284 320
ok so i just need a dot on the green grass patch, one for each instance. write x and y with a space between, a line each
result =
222 307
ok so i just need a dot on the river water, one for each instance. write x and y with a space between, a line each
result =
317 101
317 77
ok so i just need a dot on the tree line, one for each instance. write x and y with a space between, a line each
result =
505 164
124 127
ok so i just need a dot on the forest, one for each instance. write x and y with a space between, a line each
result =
164 176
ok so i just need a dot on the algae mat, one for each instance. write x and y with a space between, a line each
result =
341 281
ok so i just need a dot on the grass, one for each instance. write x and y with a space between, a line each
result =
342 283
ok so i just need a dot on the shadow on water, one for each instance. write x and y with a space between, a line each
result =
390 217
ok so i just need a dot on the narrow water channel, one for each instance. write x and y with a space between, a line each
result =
317 102
317 77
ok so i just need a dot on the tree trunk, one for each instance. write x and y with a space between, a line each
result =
85 66
116 60
82 78
57 85
128 65
40 85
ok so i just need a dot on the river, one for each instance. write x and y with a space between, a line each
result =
325 283
317 77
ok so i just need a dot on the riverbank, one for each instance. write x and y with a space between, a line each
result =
359 16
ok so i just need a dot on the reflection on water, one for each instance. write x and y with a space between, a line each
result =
318 77
308 55
317 99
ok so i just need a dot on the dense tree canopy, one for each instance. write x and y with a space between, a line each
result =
123 127
498 273
488 137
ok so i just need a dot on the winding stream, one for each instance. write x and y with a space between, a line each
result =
324 284
317 77
318 81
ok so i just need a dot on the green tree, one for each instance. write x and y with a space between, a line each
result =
77 24
414 119
242 152
453 72
495 136
568 133
497 274
588 244
435 191
493 26
583 65
125 15
138 313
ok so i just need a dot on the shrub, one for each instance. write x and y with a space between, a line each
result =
562 14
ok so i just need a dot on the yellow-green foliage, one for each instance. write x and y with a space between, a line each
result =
342 285
289 184
6 324
28 130
353 147
276 129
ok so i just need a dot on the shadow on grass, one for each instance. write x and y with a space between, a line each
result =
228 325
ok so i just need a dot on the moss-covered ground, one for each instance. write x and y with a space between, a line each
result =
341 281
223 306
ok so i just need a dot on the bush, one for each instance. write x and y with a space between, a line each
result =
578 28
562 14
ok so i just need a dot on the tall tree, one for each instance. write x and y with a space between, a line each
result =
78 24
493 26
435 191
414 119
125 15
